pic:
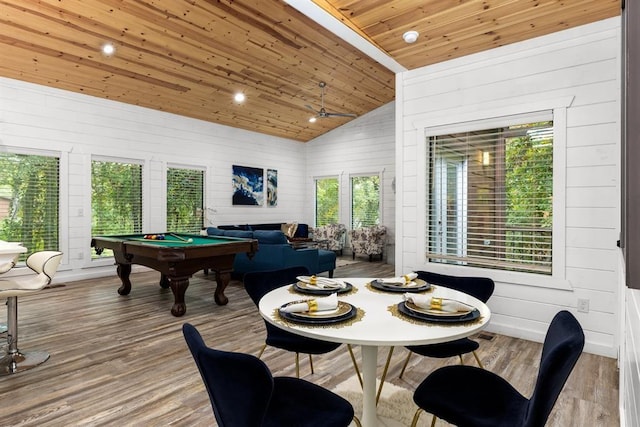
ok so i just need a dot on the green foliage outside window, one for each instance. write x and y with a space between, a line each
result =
185 203
116 198
29 205
327 203
365 201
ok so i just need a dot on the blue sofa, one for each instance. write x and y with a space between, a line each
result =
275 252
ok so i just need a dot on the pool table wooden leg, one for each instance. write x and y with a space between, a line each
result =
222 278
179 287
124 270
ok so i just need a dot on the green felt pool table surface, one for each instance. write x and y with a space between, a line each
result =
177 257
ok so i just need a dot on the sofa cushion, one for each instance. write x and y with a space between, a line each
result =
213 231
239 233
269 237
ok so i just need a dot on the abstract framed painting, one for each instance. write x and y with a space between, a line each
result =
272 187
248 186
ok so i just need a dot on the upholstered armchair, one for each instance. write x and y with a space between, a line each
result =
330 237
368 241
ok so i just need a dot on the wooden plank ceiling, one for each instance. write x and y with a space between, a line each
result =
189 57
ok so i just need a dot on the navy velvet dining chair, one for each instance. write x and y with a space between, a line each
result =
259 283
244 393
478 287
472 397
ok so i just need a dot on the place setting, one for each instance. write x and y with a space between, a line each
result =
401 284
318 311
314 285
436 309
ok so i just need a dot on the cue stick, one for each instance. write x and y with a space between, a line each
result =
181 238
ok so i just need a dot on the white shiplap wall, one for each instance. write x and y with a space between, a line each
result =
35 118
578 68
365 145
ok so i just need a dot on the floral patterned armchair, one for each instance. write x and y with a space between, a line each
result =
368 241
330 236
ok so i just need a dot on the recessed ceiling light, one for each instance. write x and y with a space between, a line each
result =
108 49
410 36
239 97
312 120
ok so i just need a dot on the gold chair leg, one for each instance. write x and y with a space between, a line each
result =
311 363
406 362
297 365
461 361
262 351
414 423
433 421
384 374
357 421
355 364
478 359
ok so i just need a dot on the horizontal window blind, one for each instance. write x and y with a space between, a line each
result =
490 198
365 201
116 198
29 201
327 202
185 200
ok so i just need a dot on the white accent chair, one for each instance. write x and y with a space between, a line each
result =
44 264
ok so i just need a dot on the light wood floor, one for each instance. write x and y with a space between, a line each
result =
119 361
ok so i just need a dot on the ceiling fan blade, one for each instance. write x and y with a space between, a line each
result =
340 115
311 108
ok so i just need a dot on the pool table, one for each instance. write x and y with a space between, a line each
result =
177 257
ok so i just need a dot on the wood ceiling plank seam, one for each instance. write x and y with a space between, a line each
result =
500 37
346 20
366 15
73 59
456 17
505 11
517 21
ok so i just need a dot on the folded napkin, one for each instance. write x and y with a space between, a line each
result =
316 304
400 281
438 304
322 282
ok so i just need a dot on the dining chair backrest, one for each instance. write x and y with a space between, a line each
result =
239 385
562 347
259 283
478 287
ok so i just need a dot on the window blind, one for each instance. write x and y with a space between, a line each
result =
327 202
185 200
116 198
490 198
29 201
365 201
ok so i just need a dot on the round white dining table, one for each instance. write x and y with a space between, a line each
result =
378 326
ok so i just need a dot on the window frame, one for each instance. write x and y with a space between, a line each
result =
555 110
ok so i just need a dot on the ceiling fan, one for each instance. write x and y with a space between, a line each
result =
322 113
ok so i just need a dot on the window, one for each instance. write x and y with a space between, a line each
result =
29 200
327 203
116 198
185 205
365 201
490 198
